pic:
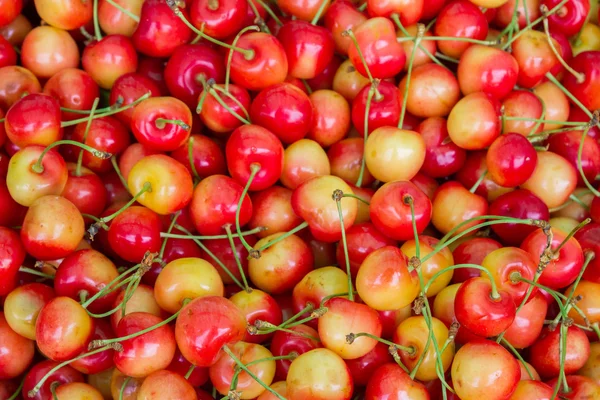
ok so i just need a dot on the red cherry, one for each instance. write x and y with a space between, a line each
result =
34 119
526 105
86 191
570 17
341 16
257 305
63 376
590 241
384 111
15 82
134 232
207 156
108 59
284 343
535 58
472 251
460 18
127 89
528 323
545 354
16 352
441 159
566 144
218 118
10 10
453 205
363 368
98 362
390 381
511 160
409 11
218 19
74 89
12 257
580 387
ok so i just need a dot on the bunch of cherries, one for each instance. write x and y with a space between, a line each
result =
299 199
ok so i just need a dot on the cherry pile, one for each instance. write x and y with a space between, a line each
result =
299 199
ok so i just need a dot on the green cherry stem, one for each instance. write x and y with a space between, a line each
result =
574 99
320 11
308 308
112 286
281 237
97 31
352 37
533 23
17 392
146 188
113 161
353 196
420 34
252 375
234 43
254 168
163 246
408 200
446 58
516 277
538 123
38 168
189 372
258 19
351 337
123 387
589 256
85 135
190 147
32 271
161 123
264 327
111 111
507 344
571 234
214 93
479 181
370 94
269 11
213 237
579 164
396 18
337 197
237 259
124 10
219 89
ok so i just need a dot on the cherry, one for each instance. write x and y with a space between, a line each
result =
347 81
127 89
16 351
331 119
223 251
122 383
273 210
115 22
208 158
146 353
528 323
47 50
484 368
224 118
521 204
264 62
345 160
300 340
64 14
482 309
545 356
108 59
553 179
556 102
99 362
85 190
590 368
34 119
570 18
284 110
284 261
453 205
22 305
135 231
74 89
219 19
565 262
460 19
61 376
390 381
133 154
566 144
257 305
78 390
504 263
86 272
16 82
580 387
341 16
587 238
164 385
535 57
377 53
527 107
210 214
141 300
363 368
319 374
506 12
470 132
400 286
205 325
63 329
250 147
12 255
441 159
511 160
296 168
181 366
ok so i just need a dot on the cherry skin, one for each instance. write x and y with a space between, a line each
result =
205 325
52 229
273 210
331 117
265 65
207 156
166 385
282 265
74 89
347 81
479 312
10 11
12 256
570 18
108 59
528 323
22 306
589 242
453 205
64 14
545 356
252 145
383 55
130 387
400 286
134 232
147 353
218 118
63 329
257 305
527 105
284 110
99 362
181 366
63 375
114 22
221 249
34 119
566 144
460 18
511 160
221 19
86 271
160 31
441 159
127 89
472 132
390 381
302 161
48 50
484 368
345 159
341 16
319 374
505 262
86 190
78 390
141 300
133 154
535 58
22 81
363 368
581 387
283 343
519 203
17 351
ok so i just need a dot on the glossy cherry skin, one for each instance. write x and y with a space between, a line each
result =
564 266
471 132
363 368
147 353
319 374
63 329
162 136
160 31
253 144
460 18
205 325
74 89
341 16
453 205
10 11
545 356
113 21
98 362
389 381
63 376
86 191
166 385
134 232
284 110
22 306
180 365
267 66
553 180
12 256
221 249
520 203
345 158
384 56
210 213
34 119
511 160
127 89
524 104
48 50
142 300
570 18
528 323
186 65
108 59
505 262
535 58
566 144
588 239
22 82
284 343
441 159
580 387
273 209
491 371
481 314
221 19
472 251
16 351
309 48
257 305
207 156
216 117
331 117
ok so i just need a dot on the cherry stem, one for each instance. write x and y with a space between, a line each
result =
17 392
161 123
589 256
574 199
479 181
123 10
570 235
35 272
578 75
574 99
518 355
248 53
538 123
220 100
191 158
258 19
446 58
415 369
163 246
448 38
234 43
252 375
396 18
420 34
351 337
146 188
41 382
533 23
38 168
264 327
516 277
308 308
123 387
579 163
337 197
408 200
352 37
237 259
320 11
113 285
118 103
113 161
189 372
370 94
85 135
111 111
97 31
254 169
306 86
596 328
53 386
353 196
211 255
545 121
211 237
318 313
269 11
133 283
281 237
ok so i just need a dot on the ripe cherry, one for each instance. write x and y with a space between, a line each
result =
135 231
108 59
441 159
34 119
331 117
527 106
460 18
62 375
390 381
511 160
545 355
474 132
48 50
